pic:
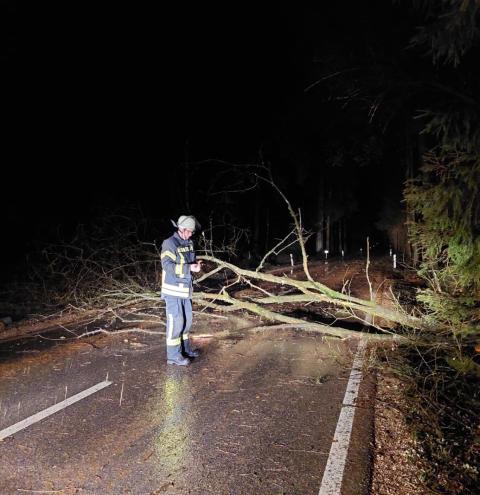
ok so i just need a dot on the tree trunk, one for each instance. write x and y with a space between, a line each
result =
327 243
187 177
312 291
320 218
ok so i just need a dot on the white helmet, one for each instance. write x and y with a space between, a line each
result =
187 222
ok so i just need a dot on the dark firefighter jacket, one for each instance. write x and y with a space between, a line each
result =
177 255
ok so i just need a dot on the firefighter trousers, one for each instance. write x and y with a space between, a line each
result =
179 321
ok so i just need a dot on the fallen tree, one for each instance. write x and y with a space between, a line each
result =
310 291
119 276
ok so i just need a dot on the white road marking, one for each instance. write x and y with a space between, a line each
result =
333 475
52 410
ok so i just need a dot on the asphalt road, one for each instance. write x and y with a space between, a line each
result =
255 414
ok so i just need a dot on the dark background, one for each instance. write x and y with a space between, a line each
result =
103 105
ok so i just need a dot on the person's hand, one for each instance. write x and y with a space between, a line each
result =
196 267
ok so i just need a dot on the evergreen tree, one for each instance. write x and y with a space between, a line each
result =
445 197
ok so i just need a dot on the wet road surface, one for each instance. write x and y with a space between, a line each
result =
255 414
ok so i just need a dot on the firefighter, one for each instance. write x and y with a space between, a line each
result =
178 263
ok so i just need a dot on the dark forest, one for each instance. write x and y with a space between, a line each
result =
115 109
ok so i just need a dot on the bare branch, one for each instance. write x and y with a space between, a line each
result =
275 250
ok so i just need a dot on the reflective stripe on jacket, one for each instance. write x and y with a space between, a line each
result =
177 256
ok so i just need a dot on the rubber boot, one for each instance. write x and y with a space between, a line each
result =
179 360
188 350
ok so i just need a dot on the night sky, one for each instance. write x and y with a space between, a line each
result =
102 105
